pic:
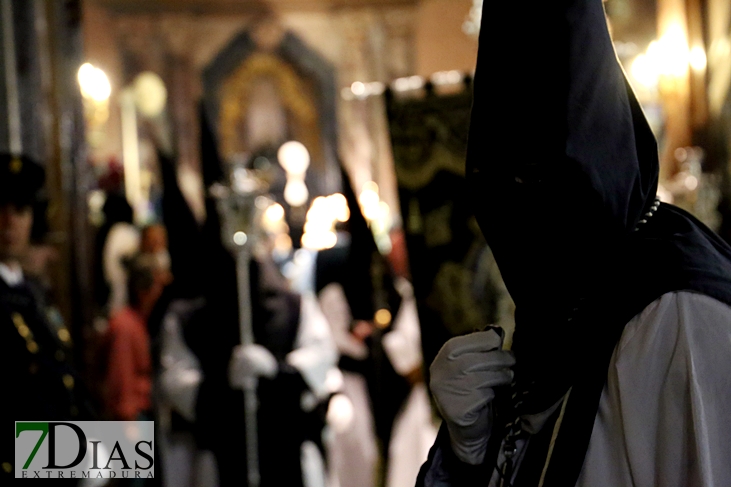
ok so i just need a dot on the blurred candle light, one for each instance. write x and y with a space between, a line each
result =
295 192
358 88
471 25
340 207
382 318
369 200
642 71
150 94
401 84
319 240
273 219
376 88
453 77
274 213
370 186
415 82
698 59
667 59
691 182
94 83
240 238
670 53
384 211
319 228
340 413
294 157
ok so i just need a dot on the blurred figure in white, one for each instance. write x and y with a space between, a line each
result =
122 242
381 420
414 430
353 450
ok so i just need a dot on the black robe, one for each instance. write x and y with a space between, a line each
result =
211 332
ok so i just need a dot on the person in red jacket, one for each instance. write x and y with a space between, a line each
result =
129 373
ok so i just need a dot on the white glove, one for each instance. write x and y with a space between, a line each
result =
249 362
462 377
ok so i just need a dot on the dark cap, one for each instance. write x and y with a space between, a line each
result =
21 180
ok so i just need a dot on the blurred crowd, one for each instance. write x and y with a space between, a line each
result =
336 358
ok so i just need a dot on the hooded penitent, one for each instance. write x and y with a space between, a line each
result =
204 268
563 171
368 285
355 266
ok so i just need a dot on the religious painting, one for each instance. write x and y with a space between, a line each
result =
263 91
265 103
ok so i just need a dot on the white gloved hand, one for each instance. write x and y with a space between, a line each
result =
249 362
463 375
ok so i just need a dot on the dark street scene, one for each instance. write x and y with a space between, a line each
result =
366 243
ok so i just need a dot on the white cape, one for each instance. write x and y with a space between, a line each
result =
664 417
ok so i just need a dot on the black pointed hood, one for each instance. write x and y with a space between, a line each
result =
562 161
211 162
184 234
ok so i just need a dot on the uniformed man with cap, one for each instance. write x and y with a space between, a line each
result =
38 379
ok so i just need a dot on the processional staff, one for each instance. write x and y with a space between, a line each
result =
241 205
